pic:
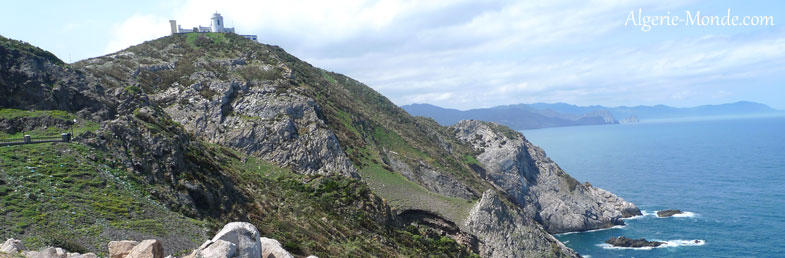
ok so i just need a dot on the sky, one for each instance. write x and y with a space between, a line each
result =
465 53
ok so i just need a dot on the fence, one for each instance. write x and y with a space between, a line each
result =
65 137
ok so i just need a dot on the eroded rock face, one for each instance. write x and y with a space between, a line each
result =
259 119
430 178
536 183
505 231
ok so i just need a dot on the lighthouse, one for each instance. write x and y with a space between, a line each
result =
217 23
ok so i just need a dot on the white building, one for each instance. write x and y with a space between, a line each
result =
216 25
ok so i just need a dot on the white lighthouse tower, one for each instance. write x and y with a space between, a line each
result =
218 23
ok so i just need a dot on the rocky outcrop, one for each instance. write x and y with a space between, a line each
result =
271 248
258 119
240 240
12 246
504 231
244 235
150 248
120 249
430 178
216 249
546 193
632 243
668 213
56 252
15 248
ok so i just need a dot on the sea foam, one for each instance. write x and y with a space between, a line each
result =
593 230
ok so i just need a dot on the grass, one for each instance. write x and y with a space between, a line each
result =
401 193
59 121
469 159
74 196
28 49
10 113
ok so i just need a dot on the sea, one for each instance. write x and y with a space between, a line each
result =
728 175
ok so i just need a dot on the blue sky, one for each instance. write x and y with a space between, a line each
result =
464 54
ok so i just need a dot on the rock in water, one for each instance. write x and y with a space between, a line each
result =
634 243
119 249
244 235
150 248
12 246
271 248
668 213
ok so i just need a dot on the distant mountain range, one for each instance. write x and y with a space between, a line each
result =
541 115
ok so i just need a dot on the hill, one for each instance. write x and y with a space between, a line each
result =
180 135
740 108
518 117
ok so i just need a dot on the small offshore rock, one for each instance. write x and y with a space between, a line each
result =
634 243
271 248
668 213
119 249
244 235
150 248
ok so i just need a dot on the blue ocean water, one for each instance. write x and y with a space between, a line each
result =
729 174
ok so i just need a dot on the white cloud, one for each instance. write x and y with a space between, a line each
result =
465 54
135 30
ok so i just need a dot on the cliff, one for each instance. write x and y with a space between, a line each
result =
210 128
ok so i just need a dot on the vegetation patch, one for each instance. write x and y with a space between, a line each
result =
27 49
73 196
401 193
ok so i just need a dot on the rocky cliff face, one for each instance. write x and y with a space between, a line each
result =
536 183
217 127
236 101
506 232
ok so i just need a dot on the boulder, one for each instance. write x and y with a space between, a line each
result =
217 249
150 248
12 246
668 213
244 235
78 255
634 243
49 252
271 248
119 249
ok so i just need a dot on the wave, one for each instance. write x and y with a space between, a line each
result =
644 214
669 243
592 230
686 214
